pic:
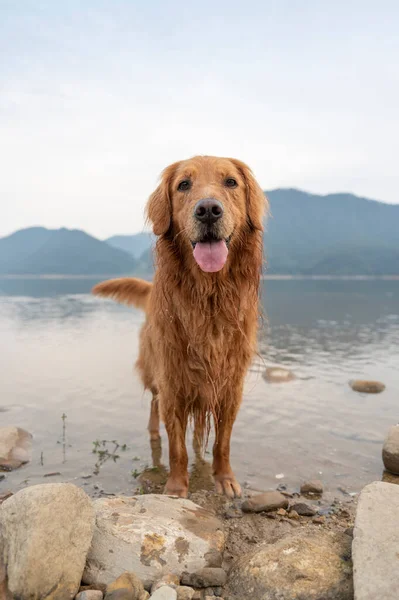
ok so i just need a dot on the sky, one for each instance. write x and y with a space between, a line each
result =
97 97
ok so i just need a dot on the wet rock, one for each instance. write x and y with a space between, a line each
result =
90 595
164 593
15 447
367 387
45 533
265 502
314 487
207 577
304 509
376 542
278 375
149 535
184 592
301 566
167 579
390 450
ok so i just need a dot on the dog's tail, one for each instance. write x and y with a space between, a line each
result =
126 290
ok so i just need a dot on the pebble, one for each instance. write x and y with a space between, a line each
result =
265 502
185 593
164 593
281 512
390 451
278 375
367 387
90 595
293 514
314 486
319 520
168 579
304 510
209 576
218 591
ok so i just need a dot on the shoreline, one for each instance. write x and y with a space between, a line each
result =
263 277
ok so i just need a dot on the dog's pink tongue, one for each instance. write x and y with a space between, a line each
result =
211 256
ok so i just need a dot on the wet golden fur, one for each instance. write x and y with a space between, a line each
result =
200 331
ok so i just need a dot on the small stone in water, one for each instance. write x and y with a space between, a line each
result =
367 387
278 375
312 487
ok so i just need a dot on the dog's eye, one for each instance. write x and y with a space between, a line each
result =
231 183
184 185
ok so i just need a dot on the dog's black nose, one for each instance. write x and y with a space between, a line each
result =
208 210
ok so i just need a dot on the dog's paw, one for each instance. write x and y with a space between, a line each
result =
228 485
176 487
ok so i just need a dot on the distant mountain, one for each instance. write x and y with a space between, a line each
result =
40 251
337 234
133 244
306 234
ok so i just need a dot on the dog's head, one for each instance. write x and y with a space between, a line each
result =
208 204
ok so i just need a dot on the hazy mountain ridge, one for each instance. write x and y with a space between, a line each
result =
40 251
305 234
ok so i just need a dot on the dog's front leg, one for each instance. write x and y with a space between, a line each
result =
175 418
225 481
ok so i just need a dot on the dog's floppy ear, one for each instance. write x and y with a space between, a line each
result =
159 205
257 204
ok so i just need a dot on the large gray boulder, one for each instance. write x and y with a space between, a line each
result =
45 533
150 535
15 447
376 543
390 450
301 566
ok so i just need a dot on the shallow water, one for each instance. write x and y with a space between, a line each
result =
63 352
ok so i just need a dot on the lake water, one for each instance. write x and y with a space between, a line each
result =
63 352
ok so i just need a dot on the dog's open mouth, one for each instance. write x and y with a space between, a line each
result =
211 253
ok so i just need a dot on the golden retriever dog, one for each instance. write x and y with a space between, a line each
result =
200 331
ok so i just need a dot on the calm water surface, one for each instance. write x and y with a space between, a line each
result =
63 352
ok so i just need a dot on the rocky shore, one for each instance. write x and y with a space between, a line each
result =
57 543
